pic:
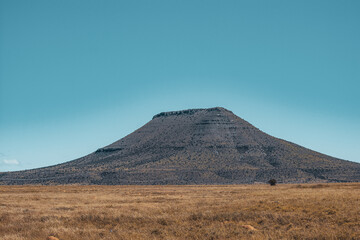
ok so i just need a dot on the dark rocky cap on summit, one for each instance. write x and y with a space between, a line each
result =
189 112
194 146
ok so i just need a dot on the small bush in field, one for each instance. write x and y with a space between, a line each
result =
272 182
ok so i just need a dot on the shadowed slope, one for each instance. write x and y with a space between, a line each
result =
196 146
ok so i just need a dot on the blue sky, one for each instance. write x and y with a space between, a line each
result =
78 75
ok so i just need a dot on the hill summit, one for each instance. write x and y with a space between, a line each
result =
194 146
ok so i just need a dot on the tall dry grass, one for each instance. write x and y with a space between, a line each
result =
326 211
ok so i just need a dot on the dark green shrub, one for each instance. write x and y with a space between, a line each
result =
272 182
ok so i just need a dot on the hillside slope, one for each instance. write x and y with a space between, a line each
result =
195 146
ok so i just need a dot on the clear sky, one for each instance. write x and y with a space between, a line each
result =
78 75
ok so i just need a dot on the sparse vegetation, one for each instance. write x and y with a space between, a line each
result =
307 211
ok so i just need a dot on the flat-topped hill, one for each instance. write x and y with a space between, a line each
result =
195 146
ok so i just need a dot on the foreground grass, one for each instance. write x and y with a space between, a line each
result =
319 211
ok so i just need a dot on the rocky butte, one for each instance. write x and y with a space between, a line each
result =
195 146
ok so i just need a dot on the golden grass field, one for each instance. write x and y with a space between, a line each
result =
308 211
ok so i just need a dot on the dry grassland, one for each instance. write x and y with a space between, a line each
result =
319 211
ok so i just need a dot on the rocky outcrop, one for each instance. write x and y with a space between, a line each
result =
188 112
